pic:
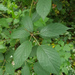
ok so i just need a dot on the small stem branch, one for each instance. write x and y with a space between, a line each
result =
36 33
30 38
5 15
33 37
31 7
27 30
29 61
36 40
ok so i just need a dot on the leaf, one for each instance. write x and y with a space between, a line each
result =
53 29
9 69
20 33
35 17
4 23
9 55
39 70
34 51
65 70
22 53
23 39
2 48
25 70
58 3
48 59
61 43
3 8
27 23
67 55
0 29
58 47
5 73
15 21
43 7
9 20
1 71
27 2
1 57
66 47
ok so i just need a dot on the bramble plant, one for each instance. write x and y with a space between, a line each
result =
23 35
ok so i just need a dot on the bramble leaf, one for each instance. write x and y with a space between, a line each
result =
39 70
53 30
22 53
25 70
43 7
27 23
48 59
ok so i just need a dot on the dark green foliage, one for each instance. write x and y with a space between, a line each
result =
36 37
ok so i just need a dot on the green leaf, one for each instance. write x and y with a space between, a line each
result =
16 21
20 33
27 2
9 55
67 55
27 23
53 30
65 70
35 17
23 39
25 70
0 29
1 57
34 51
58 3
43 7
9 69
4 23
48 59
58 47
39 70
9 20
5 73
3 8
2 48
22 53
66 47
1 71
61 43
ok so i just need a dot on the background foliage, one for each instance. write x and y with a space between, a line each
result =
37 37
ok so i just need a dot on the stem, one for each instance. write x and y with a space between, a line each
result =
5 15
29 61
3 63
36 33
36 40
27 30
30 38
31 8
